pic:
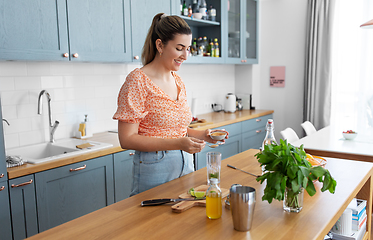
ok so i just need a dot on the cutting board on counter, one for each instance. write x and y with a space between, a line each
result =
185 205
201 122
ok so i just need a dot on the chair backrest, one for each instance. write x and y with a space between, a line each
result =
308 127
290 135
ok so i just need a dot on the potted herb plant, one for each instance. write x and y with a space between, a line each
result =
288 173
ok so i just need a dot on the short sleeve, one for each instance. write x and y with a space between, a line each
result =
131 99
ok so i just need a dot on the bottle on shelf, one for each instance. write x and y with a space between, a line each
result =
203 9
270 134
190 10
213 200
194 49
205 45
212 13
181 7
217 52
185 9
195 8
212 48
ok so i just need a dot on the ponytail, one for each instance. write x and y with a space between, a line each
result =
165 28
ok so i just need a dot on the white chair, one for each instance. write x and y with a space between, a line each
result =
290 135
308 127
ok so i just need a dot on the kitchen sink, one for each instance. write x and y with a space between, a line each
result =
44 152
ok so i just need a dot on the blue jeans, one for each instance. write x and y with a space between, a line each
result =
151 169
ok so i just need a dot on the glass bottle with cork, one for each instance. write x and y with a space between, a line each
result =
270 134
213 200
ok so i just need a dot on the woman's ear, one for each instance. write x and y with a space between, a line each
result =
159 45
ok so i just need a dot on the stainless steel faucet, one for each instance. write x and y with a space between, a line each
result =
52 128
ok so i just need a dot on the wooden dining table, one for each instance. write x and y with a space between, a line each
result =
128 220
329 142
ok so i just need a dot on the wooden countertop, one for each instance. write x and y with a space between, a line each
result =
218 119
128 220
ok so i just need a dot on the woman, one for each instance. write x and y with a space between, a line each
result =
152 109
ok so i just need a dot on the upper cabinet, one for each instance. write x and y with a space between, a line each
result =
241 32
63 30
142 13
115 30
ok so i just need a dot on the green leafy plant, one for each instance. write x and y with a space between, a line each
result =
287 166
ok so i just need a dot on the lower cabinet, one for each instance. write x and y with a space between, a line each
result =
253 132
71 191
5 225
123 162
23 207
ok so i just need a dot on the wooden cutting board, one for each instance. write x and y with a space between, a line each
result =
185 205
199 123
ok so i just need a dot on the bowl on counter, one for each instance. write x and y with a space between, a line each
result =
349 135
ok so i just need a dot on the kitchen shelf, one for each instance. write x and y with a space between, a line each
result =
199 22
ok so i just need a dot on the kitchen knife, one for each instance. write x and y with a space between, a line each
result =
155 202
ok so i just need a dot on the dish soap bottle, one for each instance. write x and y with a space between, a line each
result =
213 200
88 129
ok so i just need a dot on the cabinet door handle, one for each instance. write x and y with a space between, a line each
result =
78 169
2 188
131 153
65 55
136 57
259 120
22 184
258 131
2 175
75 55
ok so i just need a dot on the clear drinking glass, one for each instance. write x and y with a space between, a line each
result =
213 166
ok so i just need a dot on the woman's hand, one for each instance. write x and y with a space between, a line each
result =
191 145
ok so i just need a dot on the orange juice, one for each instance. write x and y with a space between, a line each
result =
213 206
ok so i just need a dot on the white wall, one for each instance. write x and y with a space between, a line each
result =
85 88
282 43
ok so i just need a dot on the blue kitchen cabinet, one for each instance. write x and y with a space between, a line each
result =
5 223
99 30
231 147
123 162
74 190
63 30
33 30
240 31
23 206
142 13
253 132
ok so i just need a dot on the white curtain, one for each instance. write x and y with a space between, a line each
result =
352 67
317 89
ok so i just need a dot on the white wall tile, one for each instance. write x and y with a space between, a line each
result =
14 97
26 83
51 82
31 137
13 69
11 140
38 68
6 84
9 112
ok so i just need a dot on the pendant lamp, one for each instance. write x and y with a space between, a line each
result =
368 24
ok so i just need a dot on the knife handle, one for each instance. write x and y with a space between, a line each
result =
155 202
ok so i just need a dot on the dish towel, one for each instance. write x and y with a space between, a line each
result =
14 161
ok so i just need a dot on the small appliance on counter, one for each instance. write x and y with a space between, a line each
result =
230 103
247 101
239 105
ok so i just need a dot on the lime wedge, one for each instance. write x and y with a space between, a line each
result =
199 194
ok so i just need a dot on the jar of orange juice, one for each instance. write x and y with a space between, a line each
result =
213 200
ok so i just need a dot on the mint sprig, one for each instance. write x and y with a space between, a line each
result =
287 167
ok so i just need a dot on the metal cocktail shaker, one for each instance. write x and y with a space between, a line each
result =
242 203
